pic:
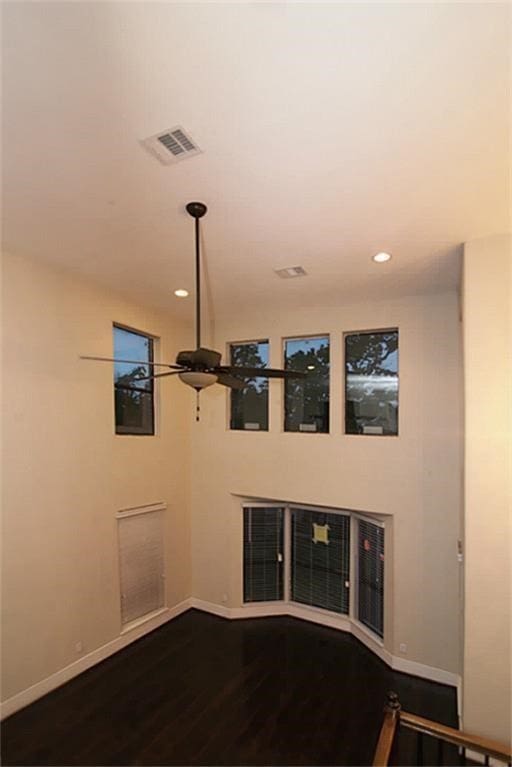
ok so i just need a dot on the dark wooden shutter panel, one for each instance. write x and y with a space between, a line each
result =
263 554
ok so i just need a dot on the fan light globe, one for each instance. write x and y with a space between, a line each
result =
197 379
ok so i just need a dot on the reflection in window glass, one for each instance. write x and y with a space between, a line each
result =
306 400
371 383
134 407
249 406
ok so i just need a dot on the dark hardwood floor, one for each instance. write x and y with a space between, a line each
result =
202 690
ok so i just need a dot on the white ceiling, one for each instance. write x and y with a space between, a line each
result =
328 132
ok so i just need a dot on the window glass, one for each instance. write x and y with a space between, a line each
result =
263 554
371 383
134 405
320 559
306 401
249 406
371 576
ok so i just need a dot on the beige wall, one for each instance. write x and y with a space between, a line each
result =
415 477
66 473
487 295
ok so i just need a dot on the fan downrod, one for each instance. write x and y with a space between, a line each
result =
196 209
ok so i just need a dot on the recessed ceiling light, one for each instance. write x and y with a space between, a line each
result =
380 258
181 293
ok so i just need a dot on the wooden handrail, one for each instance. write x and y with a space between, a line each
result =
457 737
393 715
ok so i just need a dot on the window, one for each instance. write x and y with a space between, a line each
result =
371 383
263 554
306 401
320 558
308 555
134 401
141 563
371 575
249 406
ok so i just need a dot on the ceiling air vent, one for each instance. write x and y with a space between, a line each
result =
171 145
291 271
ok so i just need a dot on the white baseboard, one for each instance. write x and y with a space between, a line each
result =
210 607
427 672
321 617
338 622
129 635
459 702
256 610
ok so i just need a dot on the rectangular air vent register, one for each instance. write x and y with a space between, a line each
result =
171 146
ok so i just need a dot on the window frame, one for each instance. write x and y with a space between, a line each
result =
306 337
229 428
345 433
127 431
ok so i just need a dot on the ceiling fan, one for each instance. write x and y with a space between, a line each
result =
202 367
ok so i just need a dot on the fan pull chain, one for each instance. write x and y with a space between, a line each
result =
198 409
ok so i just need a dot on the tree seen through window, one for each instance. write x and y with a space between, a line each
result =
134 406
249 406
307 400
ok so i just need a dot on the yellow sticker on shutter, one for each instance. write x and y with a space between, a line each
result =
320 533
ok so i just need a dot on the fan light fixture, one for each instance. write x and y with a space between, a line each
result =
380 258
200 367
197 379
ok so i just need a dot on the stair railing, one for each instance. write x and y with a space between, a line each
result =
394 718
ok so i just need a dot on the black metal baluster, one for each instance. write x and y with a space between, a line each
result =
462 755
439 751
419 752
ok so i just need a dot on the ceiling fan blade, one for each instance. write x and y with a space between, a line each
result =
246 372
130 362
228 380
160 375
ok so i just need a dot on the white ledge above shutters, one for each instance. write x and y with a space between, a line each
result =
141 561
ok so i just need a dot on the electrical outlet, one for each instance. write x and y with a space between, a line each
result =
79 647
403 647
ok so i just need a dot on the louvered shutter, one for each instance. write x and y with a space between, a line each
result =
320 564
263 554
141 563
371 576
